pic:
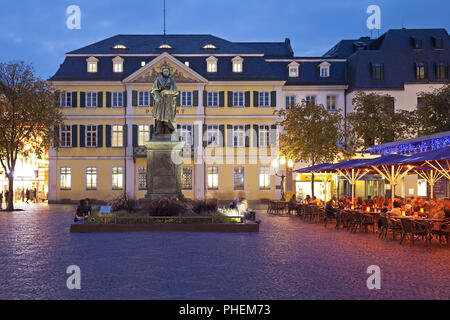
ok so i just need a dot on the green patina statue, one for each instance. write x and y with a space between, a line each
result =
165 93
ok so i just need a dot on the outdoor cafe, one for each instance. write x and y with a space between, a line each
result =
426 219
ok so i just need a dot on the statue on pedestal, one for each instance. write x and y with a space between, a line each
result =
165 93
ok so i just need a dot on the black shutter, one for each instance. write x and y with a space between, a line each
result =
152 100
230 135
255 98
205 135
100 136
255 135
82 135
56 134
222 99
134 98
108 99
99 99
247 135
273 135
247 99
108 136
178 99
273 98
151 131
230 99
195 98
221 134
135 135
125 135
125 99
74 135
82 99
74 99
205 98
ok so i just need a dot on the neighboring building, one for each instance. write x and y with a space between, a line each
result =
229 93
401 63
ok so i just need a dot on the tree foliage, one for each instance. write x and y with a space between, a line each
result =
29 115
434 115
374 121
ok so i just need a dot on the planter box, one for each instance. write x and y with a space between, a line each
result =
166 227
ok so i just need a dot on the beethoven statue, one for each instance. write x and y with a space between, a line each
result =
165 93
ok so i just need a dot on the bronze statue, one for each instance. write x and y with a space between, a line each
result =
165 93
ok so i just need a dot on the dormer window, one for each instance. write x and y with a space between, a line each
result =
293 69
237 64
120 46
324 69
418 43
438 43
165 46
92 64
143 63
211 64
209 46
118 64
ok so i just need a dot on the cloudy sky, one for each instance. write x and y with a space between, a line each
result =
36 31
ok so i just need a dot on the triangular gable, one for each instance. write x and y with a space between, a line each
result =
179 71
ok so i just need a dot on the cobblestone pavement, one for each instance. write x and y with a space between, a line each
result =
287 259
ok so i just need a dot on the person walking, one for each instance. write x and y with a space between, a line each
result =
6 198
1 200
27 195
34 195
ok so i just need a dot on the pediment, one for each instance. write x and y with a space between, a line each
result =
179 71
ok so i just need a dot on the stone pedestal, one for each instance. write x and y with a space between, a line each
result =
164 171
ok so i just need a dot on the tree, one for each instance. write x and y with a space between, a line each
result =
311 134
29 117
434 112
374 121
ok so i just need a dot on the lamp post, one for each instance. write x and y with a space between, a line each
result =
276 163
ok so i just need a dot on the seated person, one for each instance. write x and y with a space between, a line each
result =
292 203
234 203
396 211
329 208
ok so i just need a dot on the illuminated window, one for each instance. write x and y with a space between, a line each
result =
293 69
142 178
65 178
213 178
211 64
187 178
143 63
118 64
264 178
324 69
119 46
117 136
65 136
117 178
331 102
238 178
91 178
237 64
165 46
143 134
186 63
92 64
209 46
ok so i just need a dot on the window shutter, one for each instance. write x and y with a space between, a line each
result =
151 131
273 135
99 136
205 98
195 98
100 99
56 134
108 99
229 135
74 135
82 135
247 135
256 135
135 135
108 136
178 99
247 99
125 99
273 98
205 135
82 99
221 134
74 99
134 98
125 135
230 99
152 100
222 99
255 98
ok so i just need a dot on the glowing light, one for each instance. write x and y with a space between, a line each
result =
282 161
290 163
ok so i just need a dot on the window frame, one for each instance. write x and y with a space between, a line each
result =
185 130
138 178
292 99
211 133
334 102
239 131
120 145
139 132
243 175
86 135
208 100
269 178
267 135
86 187
92 93
186 93
239 92
61 133
143 98
117 93
65 174
183 179
263 93
65 94
207 177
112 177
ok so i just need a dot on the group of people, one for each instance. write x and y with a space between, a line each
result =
84 210
241 206
25 195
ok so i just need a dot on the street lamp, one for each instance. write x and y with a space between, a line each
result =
276 163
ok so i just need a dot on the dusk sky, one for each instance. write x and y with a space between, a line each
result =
36 32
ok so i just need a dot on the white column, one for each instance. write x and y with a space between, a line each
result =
279 106
129 163
199 166
52 175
